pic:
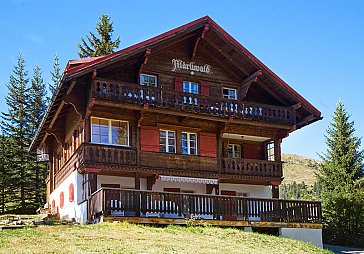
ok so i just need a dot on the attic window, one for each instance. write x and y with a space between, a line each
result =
148 80
229 93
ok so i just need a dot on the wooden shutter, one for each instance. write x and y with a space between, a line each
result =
208 144
178 84
71 192
61 199
205 88
149 138
251 151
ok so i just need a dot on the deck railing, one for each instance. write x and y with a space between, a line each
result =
137 203
153 96
251 167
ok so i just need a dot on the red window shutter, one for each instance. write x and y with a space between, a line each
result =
61 199
251 151
149 138
178 81
71 192
53 204
208 144
205 88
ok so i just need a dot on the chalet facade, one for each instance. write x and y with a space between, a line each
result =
188 124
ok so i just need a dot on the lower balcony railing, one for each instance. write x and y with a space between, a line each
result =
251 167
136 203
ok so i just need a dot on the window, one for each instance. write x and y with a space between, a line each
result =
233 151
148 80
112 132
167 141
270 151
190 87
189 143
229 93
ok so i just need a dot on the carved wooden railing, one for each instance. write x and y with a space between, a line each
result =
122 202
95 153
250 167
137 94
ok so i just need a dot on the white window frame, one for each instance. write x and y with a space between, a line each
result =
189 143
227 96
167 138
190 87
235 148
270 151
148 75
110 132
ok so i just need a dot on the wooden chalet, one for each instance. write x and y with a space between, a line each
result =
185 125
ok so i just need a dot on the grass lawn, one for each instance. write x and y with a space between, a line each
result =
130 238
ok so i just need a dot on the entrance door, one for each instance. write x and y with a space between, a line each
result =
229 207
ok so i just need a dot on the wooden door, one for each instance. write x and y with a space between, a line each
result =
229 206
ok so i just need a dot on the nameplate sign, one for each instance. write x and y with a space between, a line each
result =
178 65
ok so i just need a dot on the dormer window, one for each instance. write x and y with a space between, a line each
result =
190 87
148 80
229 93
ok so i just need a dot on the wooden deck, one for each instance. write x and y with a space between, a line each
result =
181 208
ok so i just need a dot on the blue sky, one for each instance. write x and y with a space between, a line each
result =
315 46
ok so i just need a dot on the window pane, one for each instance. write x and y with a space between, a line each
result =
184 150
171 134
193 151
99 130
194 88
162 133
171 149
119 132
186 87
162 148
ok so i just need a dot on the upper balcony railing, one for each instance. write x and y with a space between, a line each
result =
154 96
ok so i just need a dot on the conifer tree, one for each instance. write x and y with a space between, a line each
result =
343 161
99 46
56 76
339 177
37 110
16 126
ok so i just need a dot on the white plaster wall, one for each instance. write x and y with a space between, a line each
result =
71 210
254 191
311 235
125 182
198 188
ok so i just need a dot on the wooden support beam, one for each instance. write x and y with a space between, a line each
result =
199 37
246 83
57 134
227 56
151 180
137 180
305 120
142 61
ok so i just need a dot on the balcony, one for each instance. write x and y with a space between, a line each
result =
248 167
97 155
150 204
153 96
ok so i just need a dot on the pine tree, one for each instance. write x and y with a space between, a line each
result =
16 125
37 110
99 46
339 177
56 76
343 161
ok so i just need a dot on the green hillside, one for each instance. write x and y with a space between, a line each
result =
297 168
130 238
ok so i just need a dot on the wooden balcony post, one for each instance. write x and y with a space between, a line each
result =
137 194
277 150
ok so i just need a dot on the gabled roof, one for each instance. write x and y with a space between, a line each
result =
80 67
